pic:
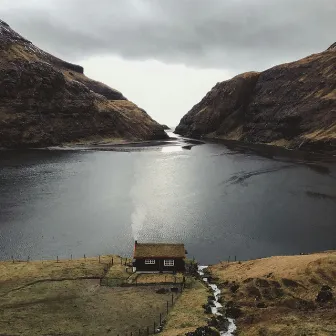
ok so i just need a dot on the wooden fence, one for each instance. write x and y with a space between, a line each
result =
118 282
114 260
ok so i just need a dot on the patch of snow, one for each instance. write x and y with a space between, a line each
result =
216 305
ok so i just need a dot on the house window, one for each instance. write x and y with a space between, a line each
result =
169 262
149 261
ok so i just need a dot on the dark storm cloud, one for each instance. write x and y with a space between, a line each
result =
232 34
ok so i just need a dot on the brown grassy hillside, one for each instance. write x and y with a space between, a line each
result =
277 295
47 101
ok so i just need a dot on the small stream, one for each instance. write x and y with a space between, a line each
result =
216 305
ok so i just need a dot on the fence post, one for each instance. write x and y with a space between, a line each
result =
172 298
84 257
147 330
139 332
154 328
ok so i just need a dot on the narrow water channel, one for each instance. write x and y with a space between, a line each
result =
215 303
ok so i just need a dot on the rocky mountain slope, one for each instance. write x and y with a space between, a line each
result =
46 101
291 105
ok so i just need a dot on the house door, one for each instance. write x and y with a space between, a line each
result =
160 265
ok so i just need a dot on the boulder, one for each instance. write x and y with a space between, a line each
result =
324 295
326 288
234 288
219 322
204 331
207 308
261 305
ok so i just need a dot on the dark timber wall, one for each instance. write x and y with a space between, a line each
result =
179 265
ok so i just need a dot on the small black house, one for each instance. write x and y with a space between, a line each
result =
149 257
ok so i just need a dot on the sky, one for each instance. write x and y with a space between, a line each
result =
165 55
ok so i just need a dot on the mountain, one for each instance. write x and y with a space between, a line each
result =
291 105
47 101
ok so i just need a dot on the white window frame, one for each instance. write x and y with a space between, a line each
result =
169 262
149 261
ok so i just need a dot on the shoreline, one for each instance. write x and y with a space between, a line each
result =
272 150
117 144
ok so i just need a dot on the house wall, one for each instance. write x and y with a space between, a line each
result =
179 265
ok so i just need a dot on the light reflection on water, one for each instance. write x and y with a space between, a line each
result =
171 149
219 203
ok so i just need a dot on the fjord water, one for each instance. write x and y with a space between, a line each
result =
218 201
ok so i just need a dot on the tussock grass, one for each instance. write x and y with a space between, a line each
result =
287 286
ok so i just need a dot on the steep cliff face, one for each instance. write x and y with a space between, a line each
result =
46 101
291 105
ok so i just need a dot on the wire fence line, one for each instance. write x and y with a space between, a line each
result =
158 323
173 289
126 261
118 282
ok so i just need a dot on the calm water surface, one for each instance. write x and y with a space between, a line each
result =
218 201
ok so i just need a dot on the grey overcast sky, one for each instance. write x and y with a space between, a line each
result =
164 55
